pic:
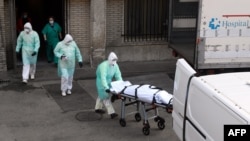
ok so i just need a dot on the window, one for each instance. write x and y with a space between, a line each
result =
146 20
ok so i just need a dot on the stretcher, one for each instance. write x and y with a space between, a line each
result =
146 98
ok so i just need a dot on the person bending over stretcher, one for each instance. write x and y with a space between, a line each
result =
105 73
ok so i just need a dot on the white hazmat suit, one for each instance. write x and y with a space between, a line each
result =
28 41
68 52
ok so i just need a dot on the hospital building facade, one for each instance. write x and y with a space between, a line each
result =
136 30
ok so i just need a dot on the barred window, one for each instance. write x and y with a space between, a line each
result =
146 20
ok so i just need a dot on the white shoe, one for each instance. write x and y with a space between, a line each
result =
69 92
32 77
25 81
63 94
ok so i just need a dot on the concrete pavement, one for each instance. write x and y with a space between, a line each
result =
29 113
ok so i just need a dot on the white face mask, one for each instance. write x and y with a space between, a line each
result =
51 22
112 62
68 43
26 30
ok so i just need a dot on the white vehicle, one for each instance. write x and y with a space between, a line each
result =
211 34
202 105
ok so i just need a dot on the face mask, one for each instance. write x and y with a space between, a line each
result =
68 43
25 16
51 22
112 62
26 30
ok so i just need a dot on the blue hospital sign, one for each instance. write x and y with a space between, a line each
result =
237 132
217 23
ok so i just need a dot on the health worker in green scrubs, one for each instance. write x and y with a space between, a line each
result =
52 35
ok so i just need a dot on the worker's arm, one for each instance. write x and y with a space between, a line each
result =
44 36
60 35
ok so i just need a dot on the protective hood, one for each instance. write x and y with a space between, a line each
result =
112 58
68 38
28 25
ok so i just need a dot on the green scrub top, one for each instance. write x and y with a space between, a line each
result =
52 33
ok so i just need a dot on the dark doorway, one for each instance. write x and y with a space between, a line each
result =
39 11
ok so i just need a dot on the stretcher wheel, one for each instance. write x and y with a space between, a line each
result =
161 125
138 117
146 130
122 122
156 119
159 119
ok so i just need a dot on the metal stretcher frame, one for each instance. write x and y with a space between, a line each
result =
140 105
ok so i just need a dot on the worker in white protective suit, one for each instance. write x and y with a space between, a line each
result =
28 41
105 73
68 52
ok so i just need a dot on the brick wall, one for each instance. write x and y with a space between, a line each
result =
3 65
114 21
79 25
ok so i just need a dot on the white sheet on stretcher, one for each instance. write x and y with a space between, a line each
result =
145 92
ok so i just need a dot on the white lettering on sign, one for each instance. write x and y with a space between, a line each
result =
237 132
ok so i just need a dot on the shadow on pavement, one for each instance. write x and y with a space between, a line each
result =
78 100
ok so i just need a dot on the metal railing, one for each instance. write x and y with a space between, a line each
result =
146 20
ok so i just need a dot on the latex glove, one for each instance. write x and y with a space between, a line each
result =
63 57
80 64
33 54
107 90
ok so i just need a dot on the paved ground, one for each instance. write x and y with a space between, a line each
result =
30 113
